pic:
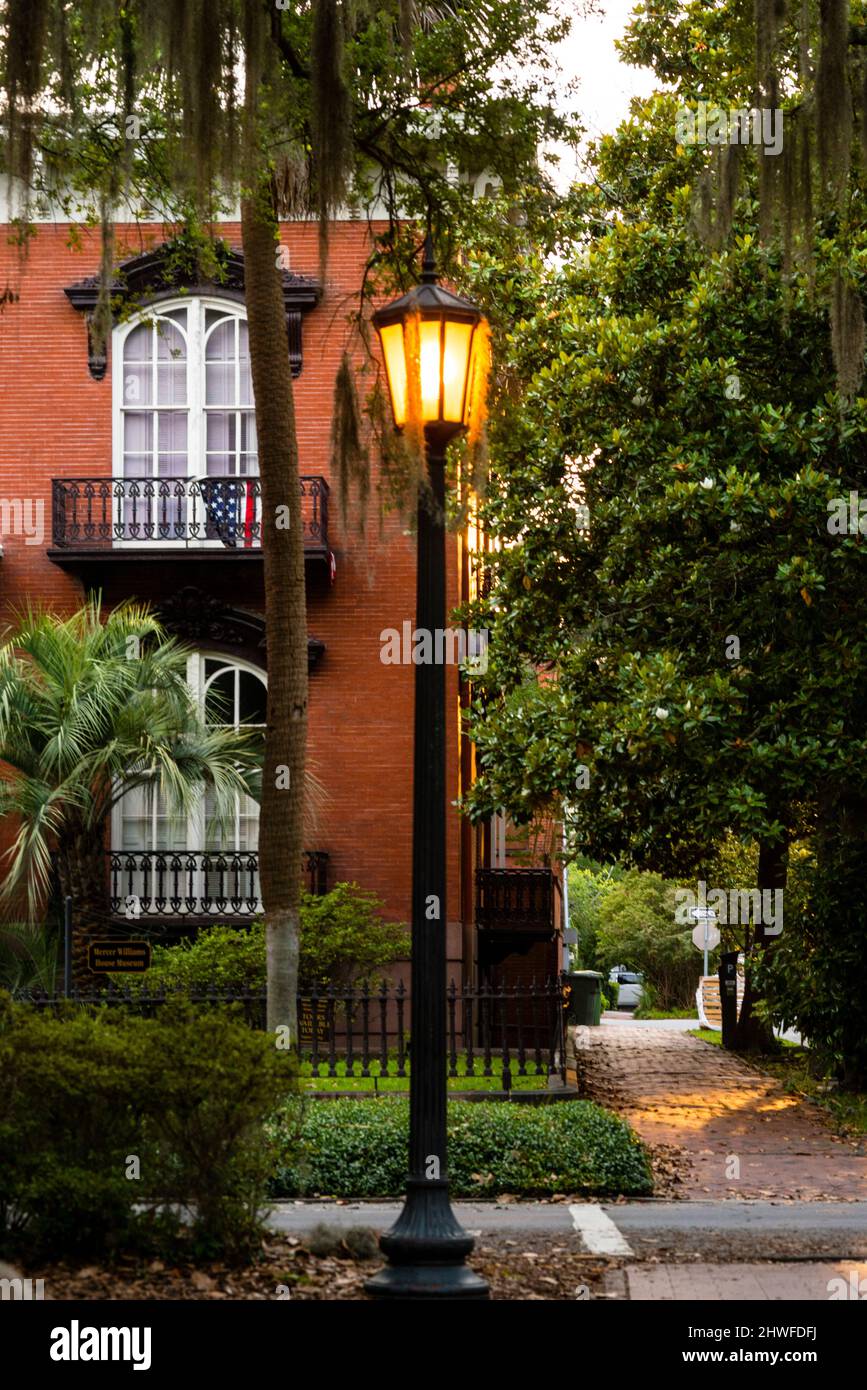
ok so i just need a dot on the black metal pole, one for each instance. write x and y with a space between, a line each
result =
426 1248
67 947
728 996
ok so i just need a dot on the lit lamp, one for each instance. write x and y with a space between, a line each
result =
432 345
435 334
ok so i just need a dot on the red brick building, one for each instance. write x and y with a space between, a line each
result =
136 475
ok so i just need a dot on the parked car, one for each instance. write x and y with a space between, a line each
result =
629 982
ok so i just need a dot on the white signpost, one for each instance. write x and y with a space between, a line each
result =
705 934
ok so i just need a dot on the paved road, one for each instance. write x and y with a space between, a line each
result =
659 1251
843 1224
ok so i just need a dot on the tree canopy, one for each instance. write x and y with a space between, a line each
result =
675 650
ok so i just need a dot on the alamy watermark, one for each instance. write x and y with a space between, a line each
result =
761 906
847 516
24 1289
23 516
711 125
450 646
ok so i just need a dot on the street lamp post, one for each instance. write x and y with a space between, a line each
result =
430 346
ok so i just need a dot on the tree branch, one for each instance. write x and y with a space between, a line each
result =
284 47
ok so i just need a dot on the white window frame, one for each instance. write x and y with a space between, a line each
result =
196 408
196 825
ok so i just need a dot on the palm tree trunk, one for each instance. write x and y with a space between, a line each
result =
282 809
82 878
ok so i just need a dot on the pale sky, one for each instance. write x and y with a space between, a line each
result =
607 84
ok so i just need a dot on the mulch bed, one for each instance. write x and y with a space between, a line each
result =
524 1269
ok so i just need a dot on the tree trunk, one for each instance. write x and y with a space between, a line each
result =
282 809
752 1033
81 863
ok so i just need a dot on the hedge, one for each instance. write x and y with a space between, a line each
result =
358 1148
104 1118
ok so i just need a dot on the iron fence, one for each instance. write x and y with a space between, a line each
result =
491 1033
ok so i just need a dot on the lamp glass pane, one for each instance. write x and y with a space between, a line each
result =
395 367
429 352
455 361
472 371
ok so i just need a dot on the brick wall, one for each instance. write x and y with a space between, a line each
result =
55 421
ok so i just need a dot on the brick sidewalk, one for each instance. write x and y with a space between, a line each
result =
752 1283
741 1133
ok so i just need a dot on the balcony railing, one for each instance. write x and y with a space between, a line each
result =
195 883
515 898
200 513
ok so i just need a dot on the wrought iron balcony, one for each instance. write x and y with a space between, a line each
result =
195 883
111 516
515 899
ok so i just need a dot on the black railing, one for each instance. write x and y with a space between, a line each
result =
510 898
93 513
195 883
359 1032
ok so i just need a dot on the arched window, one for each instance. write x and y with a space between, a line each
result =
232 695
184 415
192 859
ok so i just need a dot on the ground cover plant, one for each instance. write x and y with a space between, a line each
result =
352 1148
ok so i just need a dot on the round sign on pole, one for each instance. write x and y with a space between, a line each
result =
705 936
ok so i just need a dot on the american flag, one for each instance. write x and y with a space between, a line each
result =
231 508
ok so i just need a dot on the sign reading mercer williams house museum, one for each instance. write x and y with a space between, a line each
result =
128 957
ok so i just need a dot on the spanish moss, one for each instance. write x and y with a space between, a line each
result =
834 98
847 335
101 323
25 42
331 113
349 456
716 198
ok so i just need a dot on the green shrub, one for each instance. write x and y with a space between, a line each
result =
342 938
185 1093
354 1148
211 1084
68 1121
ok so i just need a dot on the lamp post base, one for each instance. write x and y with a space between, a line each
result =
426 1248
427 1281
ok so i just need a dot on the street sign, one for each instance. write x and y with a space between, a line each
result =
703 914
119 957
705 936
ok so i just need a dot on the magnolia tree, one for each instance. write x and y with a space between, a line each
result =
675 650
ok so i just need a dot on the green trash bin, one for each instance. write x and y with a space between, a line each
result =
582 994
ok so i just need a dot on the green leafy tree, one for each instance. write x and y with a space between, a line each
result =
661 492
637 928
343 938
588 888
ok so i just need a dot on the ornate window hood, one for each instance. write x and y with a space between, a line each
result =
198 618
160 274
